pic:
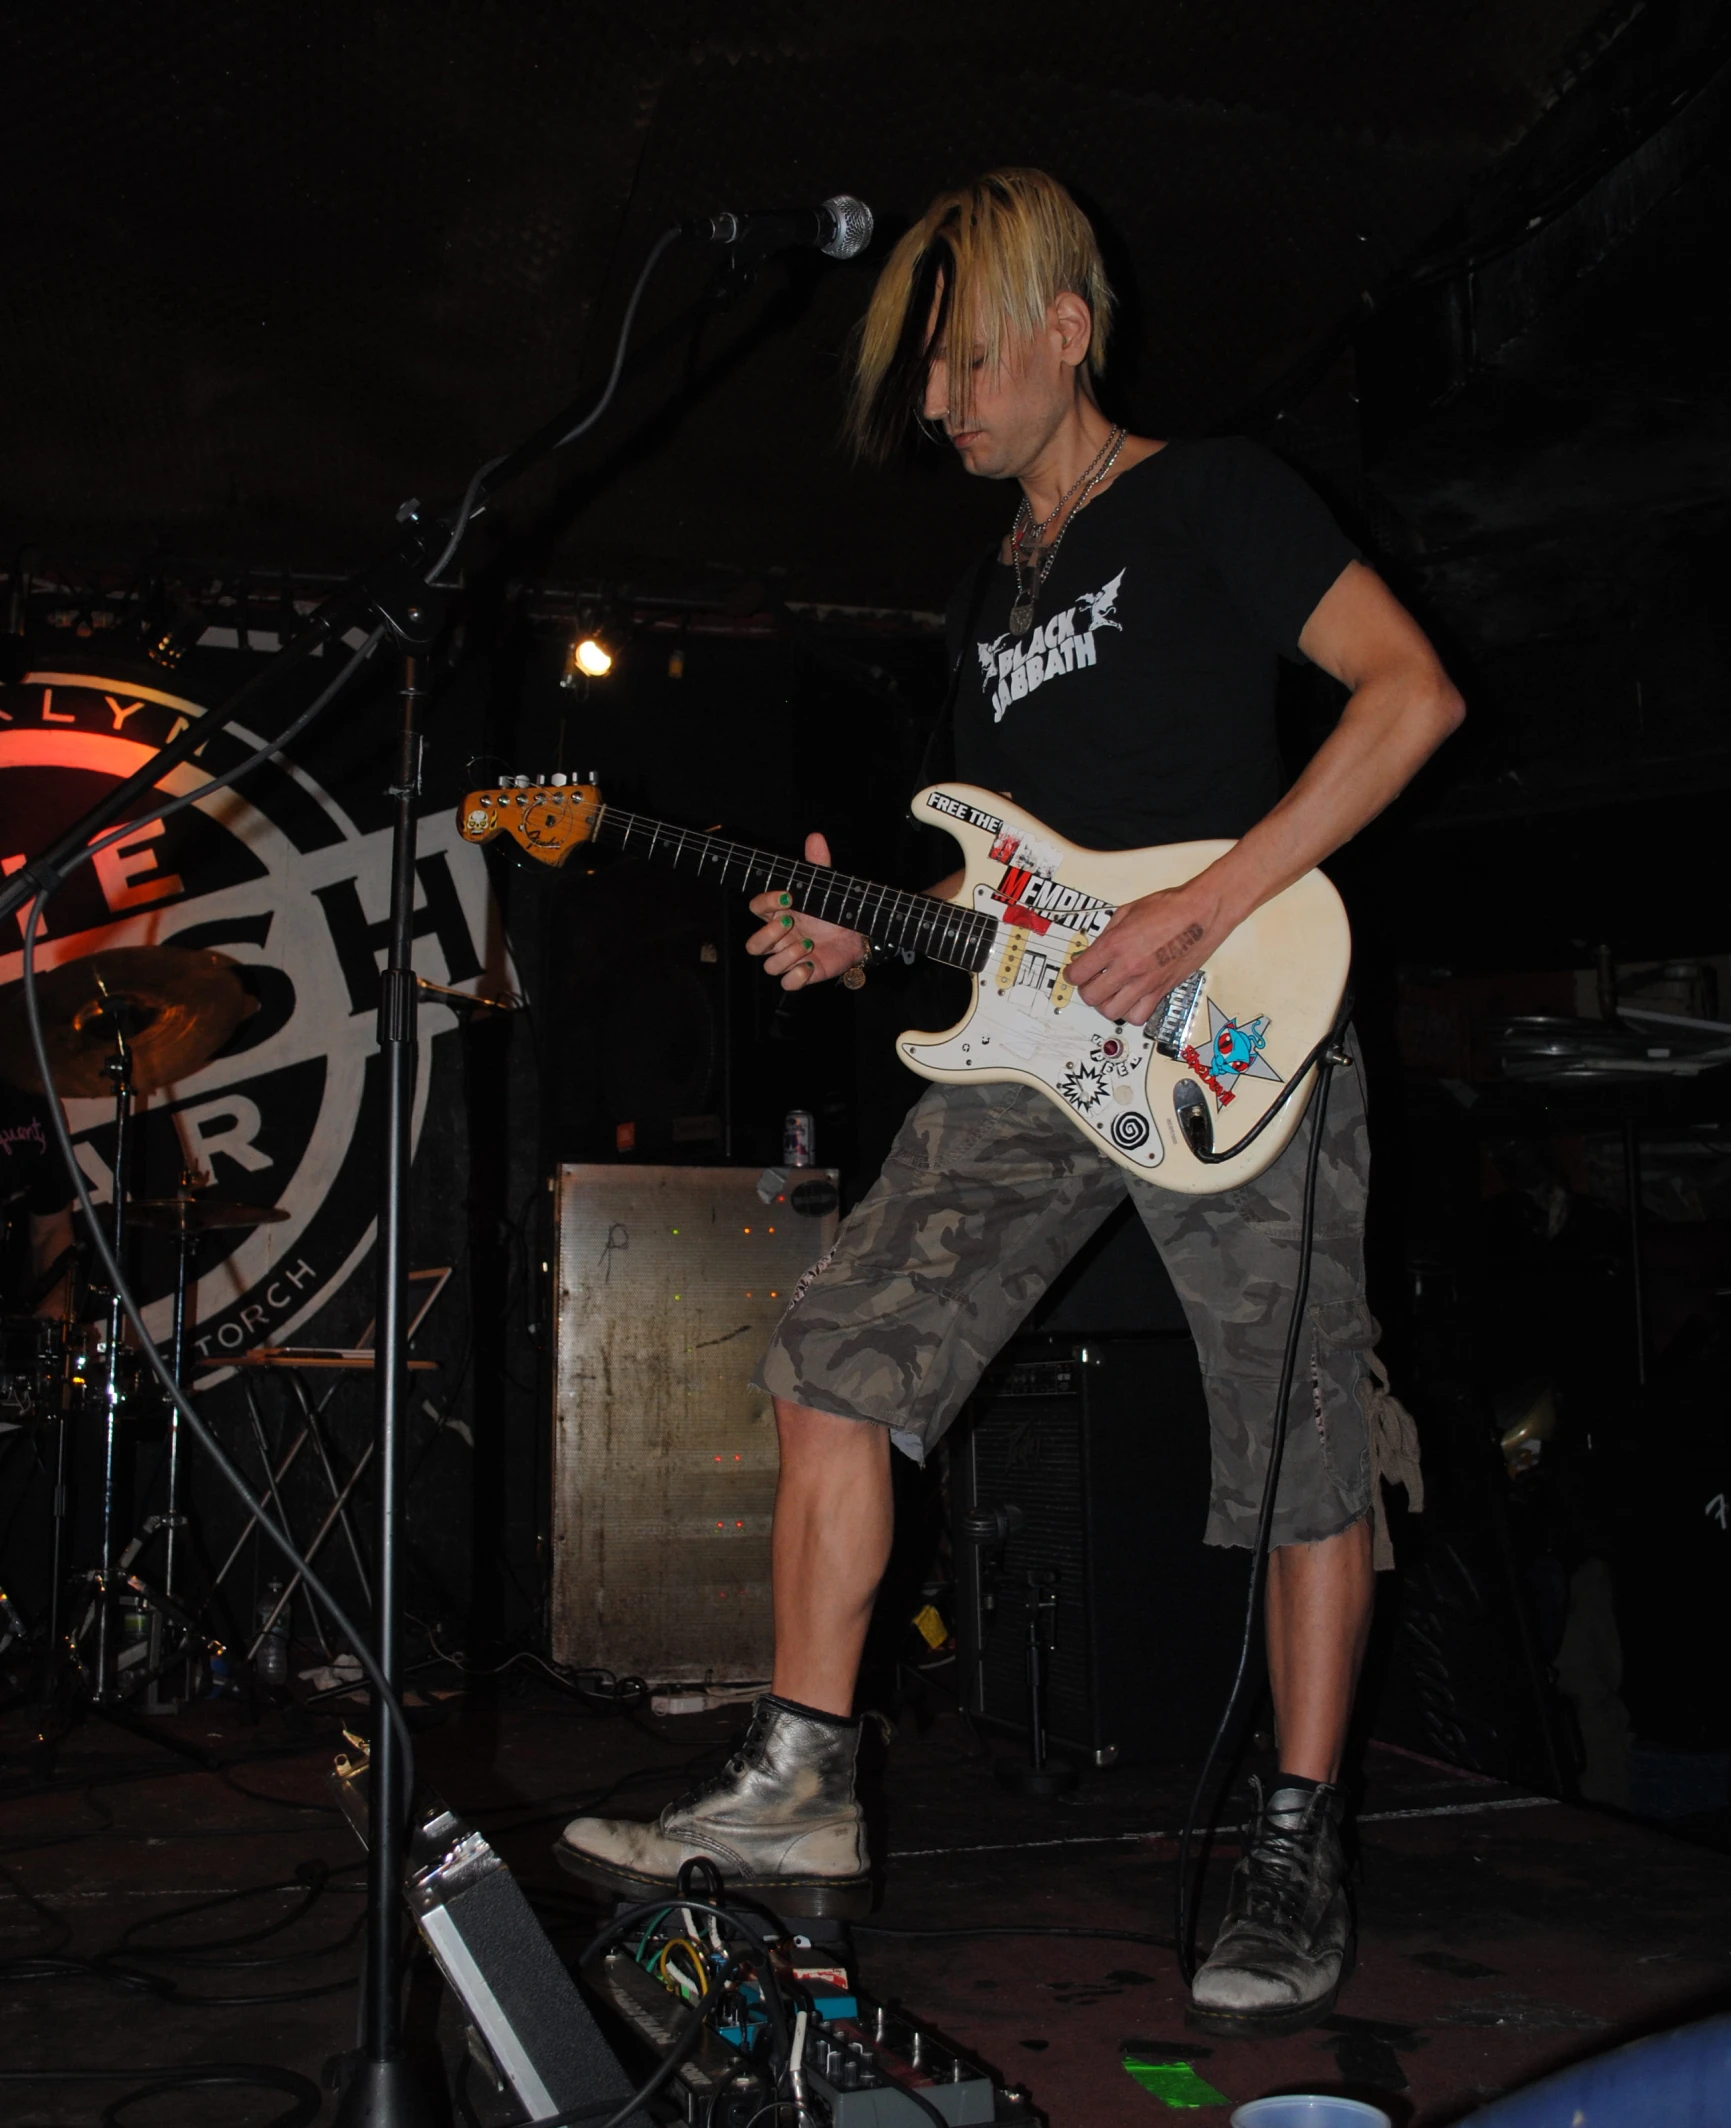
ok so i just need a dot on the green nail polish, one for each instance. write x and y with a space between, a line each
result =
807 944
787 923
786 900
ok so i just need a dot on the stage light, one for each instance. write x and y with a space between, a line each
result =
168 627
591 654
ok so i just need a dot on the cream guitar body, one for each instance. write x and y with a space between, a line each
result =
1170 1102
1228 1039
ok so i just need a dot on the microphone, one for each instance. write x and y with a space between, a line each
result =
841 228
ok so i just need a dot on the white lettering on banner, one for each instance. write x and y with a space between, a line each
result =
253 1317
230 1124
1066 643
120 714
51 715
97 1172
118 866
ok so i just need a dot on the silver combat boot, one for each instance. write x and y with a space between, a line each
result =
780 1821
1276 1964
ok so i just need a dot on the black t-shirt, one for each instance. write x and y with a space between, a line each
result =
1139 708
32 1181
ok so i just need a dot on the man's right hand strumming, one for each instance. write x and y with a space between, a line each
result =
802 949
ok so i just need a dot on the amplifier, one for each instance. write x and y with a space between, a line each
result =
1102 1443
669 1282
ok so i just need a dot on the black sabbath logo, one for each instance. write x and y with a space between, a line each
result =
278 878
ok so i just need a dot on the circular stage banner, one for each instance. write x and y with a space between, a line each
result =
277 877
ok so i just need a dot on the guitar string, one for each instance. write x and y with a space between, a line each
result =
941 930
969 936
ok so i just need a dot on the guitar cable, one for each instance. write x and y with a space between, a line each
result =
1199 1132
1327 1052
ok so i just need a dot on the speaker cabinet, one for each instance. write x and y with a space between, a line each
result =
1102 1443
669 1282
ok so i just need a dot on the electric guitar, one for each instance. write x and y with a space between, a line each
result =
1201 1099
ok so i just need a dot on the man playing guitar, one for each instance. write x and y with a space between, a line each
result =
1116 670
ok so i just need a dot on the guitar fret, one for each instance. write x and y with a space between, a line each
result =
891 916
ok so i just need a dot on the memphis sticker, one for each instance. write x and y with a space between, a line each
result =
1235 1051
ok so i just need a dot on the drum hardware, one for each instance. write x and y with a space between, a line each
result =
13 1624
294 1363
125 1021
32 1349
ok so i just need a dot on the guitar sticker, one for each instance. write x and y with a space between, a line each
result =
1083 1086
1235 1051
959 809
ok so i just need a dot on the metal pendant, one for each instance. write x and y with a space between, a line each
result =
1022 615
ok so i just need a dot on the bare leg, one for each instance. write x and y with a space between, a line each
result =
1318 1612
833 1521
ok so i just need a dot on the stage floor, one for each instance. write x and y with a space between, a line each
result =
1500 1934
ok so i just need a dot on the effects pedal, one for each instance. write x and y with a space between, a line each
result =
855 2062
863 2068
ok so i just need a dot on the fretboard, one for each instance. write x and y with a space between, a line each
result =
891 918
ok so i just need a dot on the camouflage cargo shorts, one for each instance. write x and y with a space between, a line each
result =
986 1195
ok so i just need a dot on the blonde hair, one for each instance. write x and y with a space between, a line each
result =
994 254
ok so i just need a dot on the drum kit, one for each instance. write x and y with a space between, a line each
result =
119 1023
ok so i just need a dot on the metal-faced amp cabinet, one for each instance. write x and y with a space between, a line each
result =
669 1281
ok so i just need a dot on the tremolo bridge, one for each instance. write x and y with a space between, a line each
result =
1170 1026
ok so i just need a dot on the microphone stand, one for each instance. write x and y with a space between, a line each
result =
381 2089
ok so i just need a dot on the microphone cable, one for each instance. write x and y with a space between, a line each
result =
207 1440
475 496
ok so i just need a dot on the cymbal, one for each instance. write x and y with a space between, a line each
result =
176 1009
197 1215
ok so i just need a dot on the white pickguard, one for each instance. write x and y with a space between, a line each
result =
1228 1038
1094 1067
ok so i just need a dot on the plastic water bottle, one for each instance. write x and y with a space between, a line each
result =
271 1664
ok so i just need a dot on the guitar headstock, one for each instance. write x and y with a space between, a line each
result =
549 820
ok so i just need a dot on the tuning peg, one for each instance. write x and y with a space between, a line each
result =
559 779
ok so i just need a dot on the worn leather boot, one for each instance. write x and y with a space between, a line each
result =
1276 1964
780 1822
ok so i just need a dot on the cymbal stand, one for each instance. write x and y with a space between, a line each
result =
173 1521
53 1653
119 1069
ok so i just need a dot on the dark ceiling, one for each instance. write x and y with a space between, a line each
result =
272 269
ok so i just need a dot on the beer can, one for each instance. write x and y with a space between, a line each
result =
798 1138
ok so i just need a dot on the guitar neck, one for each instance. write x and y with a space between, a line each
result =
891 918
